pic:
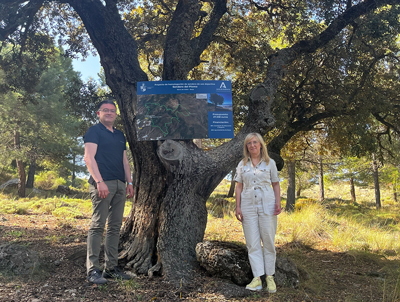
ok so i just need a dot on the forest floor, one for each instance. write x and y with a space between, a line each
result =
327 276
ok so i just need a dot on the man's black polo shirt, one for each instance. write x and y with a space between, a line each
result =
110 150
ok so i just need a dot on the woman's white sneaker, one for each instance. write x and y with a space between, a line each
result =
255 284
271 286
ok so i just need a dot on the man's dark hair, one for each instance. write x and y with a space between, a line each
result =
106 102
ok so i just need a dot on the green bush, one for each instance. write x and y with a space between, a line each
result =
81 184
49 180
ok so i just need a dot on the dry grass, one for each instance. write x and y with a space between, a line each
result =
335 227
337 224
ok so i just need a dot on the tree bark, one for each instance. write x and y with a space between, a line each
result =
31 173
321 179
352 190
233 185
375 173
291 188
20 167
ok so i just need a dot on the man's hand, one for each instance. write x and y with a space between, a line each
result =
129 191
102 189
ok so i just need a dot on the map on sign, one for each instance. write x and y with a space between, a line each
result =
184 110
174 116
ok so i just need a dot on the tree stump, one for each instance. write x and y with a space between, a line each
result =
230 261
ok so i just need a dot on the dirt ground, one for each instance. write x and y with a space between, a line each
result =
325 275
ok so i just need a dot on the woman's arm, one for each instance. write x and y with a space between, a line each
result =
277 192
238 193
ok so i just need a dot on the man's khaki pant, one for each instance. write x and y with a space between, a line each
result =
112 209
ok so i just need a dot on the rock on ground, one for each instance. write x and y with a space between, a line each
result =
11 182
230 261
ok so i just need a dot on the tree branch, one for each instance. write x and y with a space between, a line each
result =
181 52
15 14
200 43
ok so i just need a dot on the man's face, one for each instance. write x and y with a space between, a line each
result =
107 114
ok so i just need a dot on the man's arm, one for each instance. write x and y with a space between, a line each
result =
91 164
128 176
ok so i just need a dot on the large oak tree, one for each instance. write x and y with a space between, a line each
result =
173 179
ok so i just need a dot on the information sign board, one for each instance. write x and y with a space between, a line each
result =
184 110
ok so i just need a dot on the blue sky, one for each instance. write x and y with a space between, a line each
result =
88 68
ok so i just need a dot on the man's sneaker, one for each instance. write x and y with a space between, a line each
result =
95 277
255 284
271 284
115 273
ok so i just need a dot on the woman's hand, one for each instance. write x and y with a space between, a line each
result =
278 208
238 214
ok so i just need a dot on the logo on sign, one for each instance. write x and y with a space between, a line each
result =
143 87
222 85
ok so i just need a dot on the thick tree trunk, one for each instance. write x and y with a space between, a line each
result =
233 185
20 167
31 173
352 190
291 188
169 216
321 179
375 173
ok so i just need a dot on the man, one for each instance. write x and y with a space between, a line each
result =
108 165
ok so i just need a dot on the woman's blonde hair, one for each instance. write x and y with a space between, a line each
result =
263 151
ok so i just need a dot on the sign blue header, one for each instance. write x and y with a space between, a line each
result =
174 87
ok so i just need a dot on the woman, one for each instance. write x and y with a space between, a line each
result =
257 207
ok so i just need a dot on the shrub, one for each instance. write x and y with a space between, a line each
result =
49 180
81 184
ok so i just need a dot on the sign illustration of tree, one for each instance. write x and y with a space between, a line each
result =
216 99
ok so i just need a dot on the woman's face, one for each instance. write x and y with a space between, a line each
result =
254 146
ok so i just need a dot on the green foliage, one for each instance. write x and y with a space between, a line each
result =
81 184
48 132
68 208
49 180
67 212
